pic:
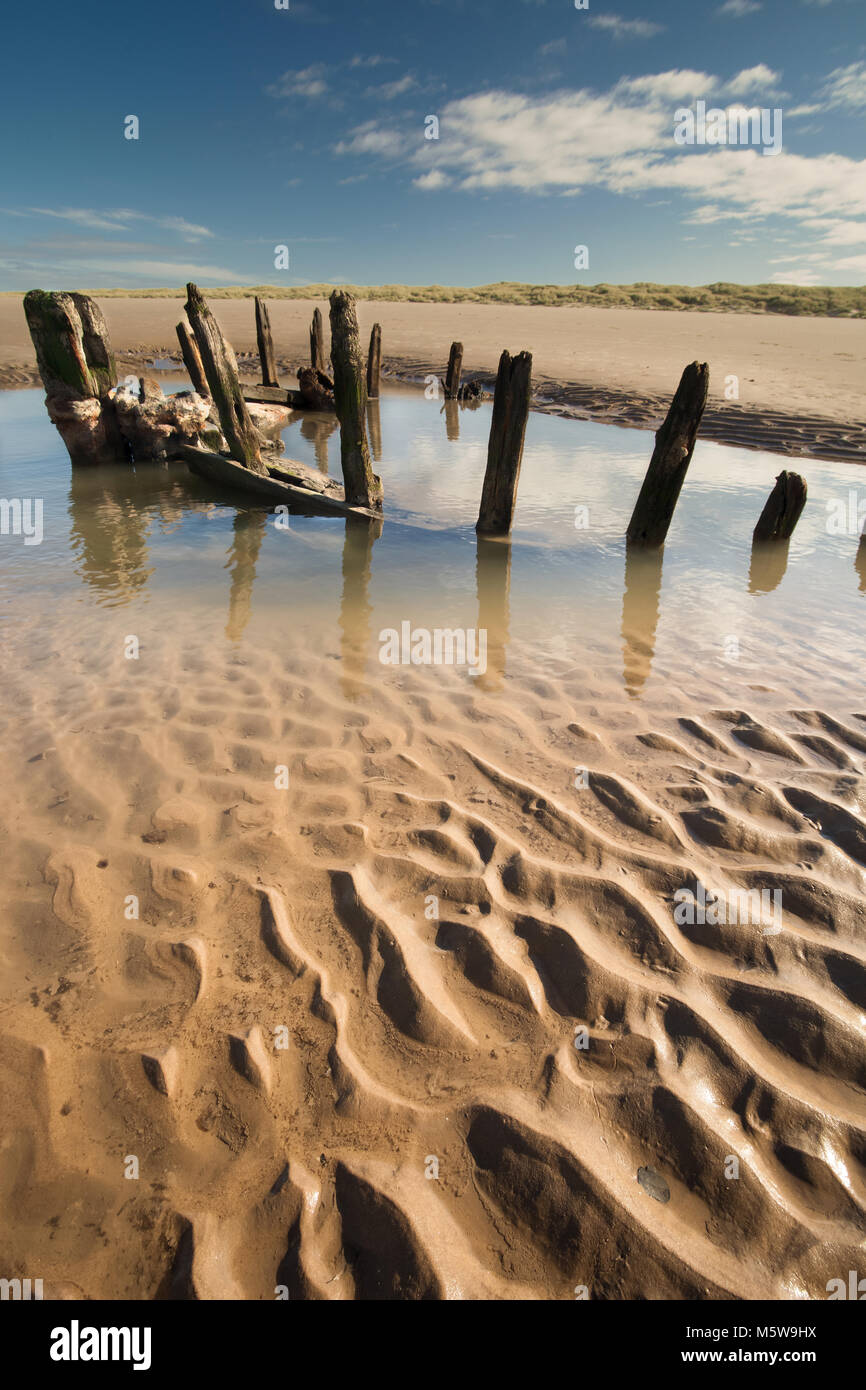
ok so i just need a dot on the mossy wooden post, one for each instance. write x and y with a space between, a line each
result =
77 367
363 488
455 369
70 336
221 371
192 360
266 344
675 444
505 446
374 362
783 508
317 343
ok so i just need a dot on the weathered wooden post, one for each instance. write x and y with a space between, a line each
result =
318 360
783 508
192 360
77 367
455 369
374 362
675 444
265 344
505 446
362 487
221 371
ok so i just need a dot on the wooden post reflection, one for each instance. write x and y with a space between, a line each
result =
374 429
767 566
318 430
860 563
109 528
355 608
493 583
452 420
248 529
640 614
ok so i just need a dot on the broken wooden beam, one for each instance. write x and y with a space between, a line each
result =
675 444
315 388
221 371
374 362
266 345
505 445
362 487
318 361
192 360
78 371
783 508
455 369
272 395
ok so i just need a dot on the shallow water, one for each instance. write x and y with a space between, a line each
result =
154 541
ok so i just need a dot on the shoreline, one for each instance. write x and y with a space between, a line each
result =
799 379
806 436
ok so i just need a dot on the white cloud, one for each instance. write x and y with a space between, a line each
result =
798 276
845 88
389 90
752 81
434 179
117 220
306 82
738 8
625 28
621 141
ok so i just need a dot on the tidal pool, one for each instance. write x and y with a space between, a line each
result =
138 547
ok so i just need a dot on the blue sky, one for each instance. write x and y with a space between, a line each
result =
305 127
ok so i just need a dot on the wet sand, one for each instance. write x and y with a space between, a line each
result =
800 380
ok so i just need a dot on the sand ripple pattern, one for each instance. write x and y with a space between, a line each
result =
339 1038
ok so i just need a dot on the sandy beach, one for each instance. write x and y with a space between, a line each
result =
800 380
327 979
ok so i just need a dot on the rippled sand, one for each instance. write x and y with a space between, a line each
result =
420 1044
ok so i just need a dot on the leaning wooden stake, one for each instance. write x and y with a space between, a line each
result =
192 360
374 362
266 345
783 508
362 487
505 446
317 343
455 369
675 443
221 370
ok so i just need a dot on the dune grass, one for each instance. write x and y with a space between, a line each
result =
802 300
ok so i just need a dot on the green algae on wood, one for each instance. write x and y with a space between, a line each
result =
221 371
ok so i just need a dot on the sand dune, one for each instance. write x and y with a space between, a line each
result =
431 1129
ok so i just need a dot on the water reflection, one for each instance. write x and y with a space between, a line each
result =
768 564
493 583
109 529
451 411
355 607
317 430
248 530
374 429
640 615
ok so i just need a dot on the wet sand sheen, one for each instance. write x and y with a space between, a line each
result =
461 875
